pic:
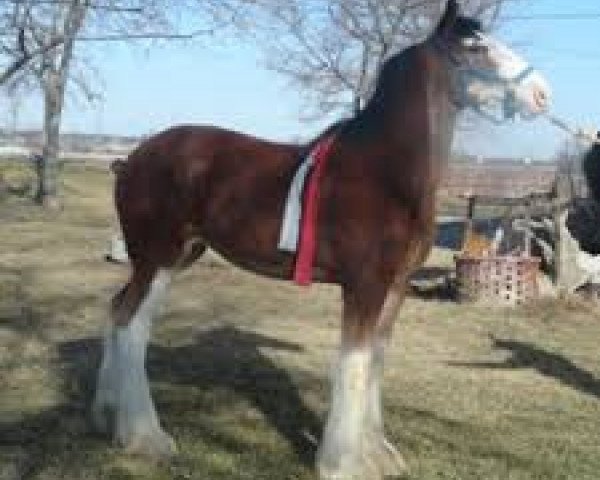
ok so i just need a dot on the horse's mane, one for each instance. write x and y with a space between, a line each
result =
332 129
363 119
386 86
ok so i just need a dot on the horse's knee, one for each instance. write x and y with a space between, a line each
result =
128 300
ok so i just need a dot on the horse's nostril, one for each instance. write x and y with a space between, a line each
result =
541 98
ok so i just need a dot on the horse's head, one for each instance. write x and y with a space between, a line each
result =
485 73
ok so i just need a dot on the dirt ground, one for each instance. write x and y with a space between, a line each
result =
239 366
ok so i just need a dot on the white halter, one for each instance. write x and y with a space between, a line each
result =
506 101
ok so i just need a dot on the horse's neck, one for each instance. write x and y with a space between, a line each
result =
442 123
412 118
428 117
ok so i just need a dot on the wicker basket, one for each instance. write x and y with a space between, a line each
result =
501 280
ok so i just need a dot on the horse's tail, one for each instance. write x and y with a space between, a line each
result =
117 251
591 169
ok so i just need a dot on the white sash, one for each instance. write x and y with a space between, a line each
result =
289 235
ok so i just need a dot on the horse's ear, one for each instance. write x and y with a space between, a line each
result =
446 23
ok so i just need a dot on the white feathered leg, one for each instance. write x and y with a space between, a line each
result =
341 453
354 444
123 390
389 460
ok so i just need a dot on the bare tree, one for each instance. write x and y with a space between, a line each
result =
45 24
332 49
59 32
13 47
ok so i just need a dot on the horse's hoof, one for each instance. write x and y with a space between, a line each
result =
376 460
334 474
157 444
350 469
363 472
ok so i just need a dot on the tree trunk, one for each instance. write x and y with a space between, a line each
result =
53 78
48 168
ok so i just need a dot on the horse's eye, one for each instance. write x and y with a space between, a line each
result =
476 48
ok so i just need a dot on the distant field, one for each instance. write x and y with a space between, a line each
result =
239 366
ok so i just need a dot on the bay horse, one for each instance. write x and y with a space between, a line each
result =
193 187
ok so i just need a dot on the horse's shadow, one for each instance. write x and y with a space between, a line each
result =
224 359
553 365
32 441
227 358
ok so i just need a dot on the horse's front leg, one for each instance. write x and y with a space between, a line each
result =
384 454
353 444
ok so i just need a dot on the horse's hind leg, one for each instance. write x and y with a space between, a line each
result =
123 402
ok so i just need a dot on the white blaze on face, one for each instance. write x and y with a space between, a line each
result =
509 71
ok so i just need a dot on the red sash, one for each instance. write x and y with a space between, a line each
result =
307 247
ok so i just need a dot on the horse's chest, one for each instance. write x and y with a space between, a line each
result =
409 235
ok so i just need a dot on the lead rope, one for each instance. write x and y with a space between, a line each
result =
578 133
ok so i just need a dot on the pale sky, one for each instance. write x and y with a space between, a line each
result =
148 89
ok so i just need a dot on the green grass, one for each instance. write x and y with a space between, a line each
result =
239 366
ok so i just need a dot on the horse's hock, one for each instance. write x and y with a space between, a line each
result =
502 280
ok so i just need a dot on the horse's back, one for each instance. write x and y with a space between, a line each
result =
204 142
193 156
214 181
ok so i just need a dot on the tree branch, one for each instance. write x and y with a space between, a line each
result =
25 58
